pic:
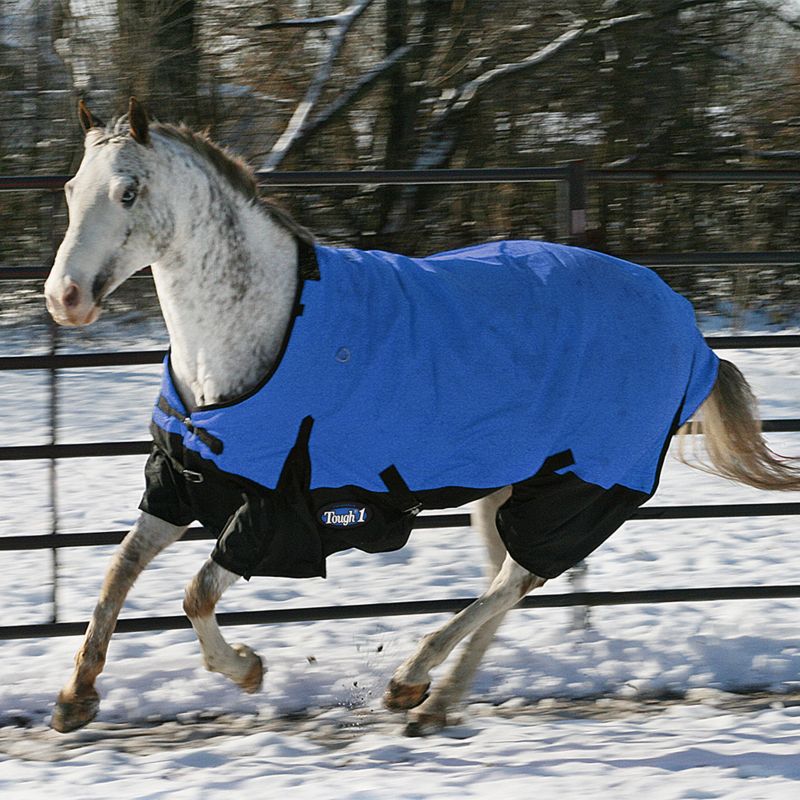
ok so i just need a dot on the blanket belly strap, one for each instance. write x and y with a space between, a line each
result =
213 443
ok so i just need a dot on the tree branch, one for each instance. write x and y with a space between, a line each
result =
347 98
305 107
464 96
311 22
468 92
328 21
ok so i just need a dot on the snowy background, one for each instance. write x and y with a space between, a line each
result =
679 701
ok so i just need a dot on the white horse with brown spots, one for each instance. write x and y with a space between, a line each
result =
225 266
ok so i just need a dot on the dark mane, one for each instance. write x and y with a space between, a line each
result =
235 171
229 166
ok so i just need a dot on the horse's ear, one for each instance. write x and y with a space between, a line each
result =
88 120
138 122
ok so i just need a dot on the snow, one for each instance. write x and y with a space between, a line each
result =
648 699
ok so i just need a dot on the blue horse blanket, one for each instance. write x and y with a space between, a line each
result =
469 369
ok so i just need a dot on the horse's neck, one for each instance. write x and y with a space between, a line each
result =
227 294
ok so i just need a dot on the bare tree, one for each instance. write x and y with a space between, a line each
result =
437 83
157 56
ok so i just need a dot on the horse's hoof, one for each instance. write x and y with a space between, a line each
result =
403 696
69 715
426 724
253 678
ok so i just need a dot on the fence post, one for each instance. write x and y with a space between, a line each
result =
53 418
576 201
581 615
571 204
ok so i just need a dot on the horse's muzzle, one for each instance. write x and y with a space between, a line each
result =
68 305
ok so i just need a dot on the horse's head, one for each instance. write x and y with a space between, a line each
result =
115 227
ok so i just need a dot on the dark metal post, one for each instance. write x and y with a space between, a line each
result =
571 204
53 415
53 469
576 193
581 615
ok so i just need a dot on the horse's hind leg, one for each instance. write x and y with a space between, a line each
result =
78 701
410 682
409 685
237 662
432 714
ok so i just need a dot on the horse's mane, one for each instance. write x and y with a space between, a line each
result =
229 166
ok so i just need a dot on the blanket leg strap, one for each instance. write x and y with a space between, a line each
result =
409 503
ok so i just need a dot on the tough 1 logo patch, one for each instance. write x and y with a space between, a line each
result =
344 515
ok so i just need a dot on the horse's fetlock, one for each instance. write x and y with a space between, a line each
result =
89 663
209 663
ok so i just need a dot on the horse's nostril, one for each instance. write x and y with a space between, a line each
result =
71 296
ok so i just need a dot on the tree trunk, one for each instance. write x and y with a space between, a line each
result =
158 59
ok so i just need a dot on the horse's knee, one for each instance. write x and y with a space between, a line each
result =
197 602
205 589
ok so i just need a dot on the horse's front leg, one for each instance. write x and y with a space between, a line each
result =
409 685
78 701
237 662
433 714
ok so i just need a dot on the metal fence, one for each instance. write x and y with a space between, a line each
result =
571 182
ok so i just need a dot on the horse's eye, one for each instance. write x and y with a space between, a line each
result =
128 197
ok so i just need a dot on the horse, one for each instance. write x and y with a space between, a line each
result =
239 281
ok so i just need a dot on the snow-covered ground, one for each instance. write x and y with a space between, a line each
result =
554 712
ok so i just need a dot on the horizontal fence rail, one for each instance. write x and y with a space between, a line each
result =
573 178
404 608
713 176
476 176
80 360
32 452
383 177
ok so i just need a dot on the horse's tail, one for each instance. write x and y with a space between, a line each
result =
731 428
